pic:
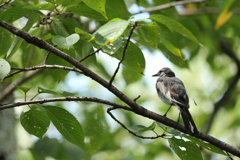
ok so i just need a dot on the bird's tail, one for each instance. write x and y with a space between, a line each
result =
188 120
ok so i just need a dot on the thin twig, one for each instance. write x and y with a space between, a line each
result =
40 67
170 5
124 52
133 133
229 156
90 55
5 3
45 59
88 99
135 99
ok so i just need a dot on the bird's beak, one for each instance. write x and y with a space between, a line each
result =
155 75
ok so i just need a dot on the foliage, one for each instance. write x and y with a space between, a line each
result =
194 38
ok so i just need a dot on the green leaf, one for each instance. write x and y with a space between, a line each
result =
70 3
48 147
174 26
59 74
18 41
206 145
185 149
134 58
60 93
16 12
25 89
171 47
165 38
46 36
84 35
43 90
130 76
154 33
58 28
110 31
113 47
96 129
174 59
148 35
4 68
66 124
44 6
169 129
35 122
141 128
64 2
98 5
55 1
84 10
6 40
138 128
65 42
83 49
117 9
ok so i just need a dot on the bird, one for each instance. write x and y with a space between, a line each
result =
171 91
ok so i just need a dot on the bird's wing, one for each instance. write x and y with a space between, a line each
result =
178 92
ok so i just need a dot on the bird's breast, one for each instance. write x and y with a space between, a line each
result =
163 93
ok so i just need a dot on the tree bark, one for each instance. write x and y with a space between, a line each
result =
7 130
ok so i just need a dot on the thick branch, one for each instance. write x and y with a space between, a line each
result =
170 5
136 108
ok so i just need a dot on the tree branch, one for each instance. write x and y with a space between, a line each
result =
135 107
5 3
87 99
40 67
149 114
90 54
124 52
170 5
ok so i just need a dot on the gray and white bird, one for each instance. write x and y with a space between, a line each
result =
171 91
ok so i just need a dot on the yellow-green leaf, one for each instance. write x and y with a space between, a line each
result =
222 19
226 13
110 31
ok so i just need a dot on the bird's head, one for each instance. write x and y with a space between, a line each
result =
165 72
